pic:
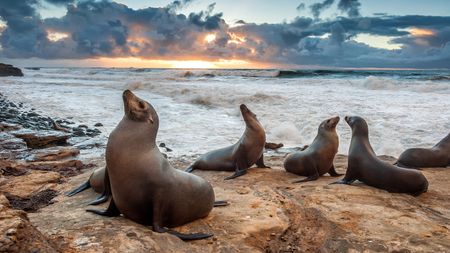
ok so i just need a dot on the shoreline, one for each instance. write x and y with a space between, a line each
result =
267 213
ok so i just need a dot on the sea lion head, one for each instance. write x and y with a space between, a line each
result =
249 117
329 124
358 125
139 110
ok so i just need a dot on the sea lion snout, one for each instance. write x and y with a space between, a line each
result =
243 108
334 121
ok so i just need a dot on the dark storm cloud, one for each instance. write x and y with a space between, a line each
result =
176 5
60 2
317 8
351 7
110 29
205 19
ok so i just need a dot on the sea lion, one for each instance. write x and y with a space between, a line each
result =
145 187
240 156
317 158
97 181
437 156
365 166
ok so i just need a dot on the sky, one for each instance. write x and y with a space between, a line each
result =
226 34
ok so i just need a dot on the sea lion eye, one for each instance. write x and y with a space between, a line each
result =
141 105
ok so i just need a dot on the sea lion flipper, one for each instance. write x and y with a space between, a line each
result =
260 162
110 212
101 199
401 165
106 191
237 173
344 181
182 236
189 169
310 178
333 172
221 203
84 186
189 237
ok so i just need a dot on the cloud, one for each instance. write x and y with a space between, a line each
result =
60 2
349 6
317 8
300 7
109 29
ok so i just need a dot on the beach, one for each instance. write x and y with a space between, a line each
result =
199 112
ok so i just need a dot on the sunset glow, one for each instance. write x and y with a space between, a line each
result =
125 62
236 39
419 32
56 36
210 38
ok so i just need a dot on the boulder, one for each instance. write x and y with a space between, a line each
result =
41 139
30 183
17 234
9 70
52 154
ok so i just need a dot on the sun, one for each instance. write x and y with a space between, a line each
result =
210 38
192 64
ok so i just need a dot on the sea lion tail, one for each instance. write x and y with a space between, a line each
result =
189 237
221 203
84 186
190 169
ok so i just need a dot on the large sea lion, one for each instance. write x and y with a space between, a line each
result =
240 156
365 166
145 187
97 182
437 156
317 158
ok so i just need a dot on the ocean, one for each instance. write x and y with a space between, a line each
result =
199 109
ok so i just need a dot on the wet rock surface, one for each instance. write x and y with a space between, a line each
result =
35 157
9 70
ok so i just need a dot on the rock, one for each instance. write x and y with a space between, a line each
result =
33 182
98 124
9 70
268 214
78 131
52 154
8 127
17 234
33 202
33 68
41 139
66 167
10 142
270 145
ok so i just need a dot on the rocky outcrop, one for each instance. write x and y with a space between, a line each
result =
17 234
9 70
267 213
40 139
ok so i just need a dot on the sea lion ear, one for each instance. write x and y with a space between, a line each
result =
150 119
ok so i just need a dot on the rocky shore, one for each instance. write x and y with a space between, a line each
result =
36 155
9 70
267 213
